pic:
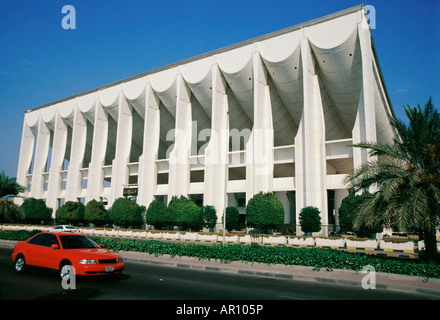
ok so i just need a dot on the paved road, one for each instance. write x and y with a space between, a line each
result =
157 282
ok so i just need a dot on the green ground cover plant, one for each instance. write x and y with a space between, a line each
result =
319 258
18 235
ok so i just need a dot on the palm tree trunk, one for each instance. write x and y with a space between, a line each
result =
431 252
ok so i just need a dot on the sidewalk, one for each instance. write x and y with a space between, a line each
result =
395 282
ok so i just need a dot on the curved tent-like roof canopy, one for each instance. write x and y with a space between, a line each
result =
334 44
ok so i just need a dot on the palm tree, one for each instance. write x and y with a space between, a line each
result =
407 177
9 212
9 186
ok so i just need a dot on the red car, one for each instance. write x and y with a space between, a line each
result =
60 250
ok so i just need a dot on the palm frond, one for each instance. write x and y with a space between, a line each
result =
384 150
375 173
9 185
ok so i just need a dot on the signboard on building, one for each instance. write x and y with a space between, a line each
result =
130 192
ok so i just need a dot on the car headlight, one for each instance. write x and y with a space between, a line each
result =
85 261
119 260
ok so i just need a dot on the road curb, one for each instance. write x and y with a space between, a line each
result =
394 282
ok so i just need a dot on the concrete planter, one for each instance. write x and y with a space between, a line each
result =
405 246
302 242
361 244
334 243
232 238
421 245
94 232
154 235
248 239
141 234
274 240
111 233
189 236
125 234
170 235
208 237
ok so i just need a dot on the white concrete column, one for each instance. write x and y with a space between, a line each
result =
365 125
216 153
58 152
25 158
40 159
179 157
147 178
95 184
310 163
124 136
262 130
250 167
77 150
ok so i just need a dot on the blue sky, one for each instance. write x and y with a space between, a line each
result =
41 62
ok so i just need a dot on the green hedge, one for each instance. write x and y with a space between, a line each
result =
17 235
314 257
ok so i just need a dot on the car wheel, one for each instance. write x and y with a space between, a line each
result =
20 264
66 271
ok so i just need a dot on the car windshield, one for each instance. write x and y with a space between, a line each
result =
77 242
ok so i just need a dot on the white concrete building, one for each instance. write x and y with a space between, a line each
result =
276 113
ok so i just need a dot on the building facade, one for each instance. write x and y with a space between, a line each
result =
277 113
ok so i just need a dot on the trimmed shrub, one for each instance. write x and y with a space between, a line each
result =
35 210
126 213
95 212
70 212
310 220
184 214
265 211
232 218
209 216
140 211
157 214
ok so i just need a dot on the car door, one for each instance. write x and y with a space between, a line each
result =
34 248
50 257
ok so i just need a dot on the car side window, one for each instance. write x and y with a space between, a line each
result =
39 240
50 240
